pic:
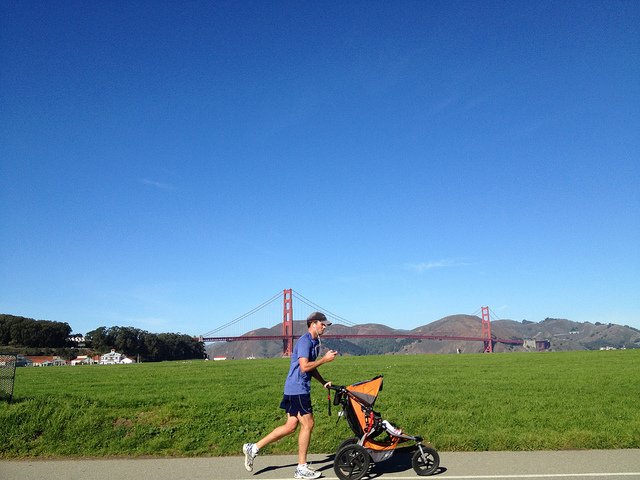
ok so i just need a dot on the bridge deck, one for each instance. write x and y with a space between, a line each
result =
329 337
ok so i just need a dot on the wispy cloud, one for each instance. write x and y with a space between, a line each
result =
156 184
443 263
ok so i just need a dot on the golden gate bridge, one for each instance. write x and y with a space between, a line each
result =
306 306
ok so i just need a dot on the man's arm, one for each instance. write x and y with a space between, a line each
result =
316 374
305 364
308 367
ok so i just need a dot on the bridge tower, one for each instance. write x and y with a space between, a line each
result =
486 331
287 324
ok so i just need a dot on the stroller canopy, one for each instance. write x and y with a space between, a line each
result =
367 391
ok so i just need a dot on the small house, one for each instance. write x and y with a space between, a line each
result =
114 358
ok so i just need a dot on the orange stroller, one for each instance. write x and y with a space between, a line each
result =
355 454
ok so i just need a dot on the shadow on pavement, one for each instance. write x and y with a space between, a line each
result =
399 462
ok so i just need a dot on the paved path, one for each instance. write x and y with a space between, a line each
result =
563 465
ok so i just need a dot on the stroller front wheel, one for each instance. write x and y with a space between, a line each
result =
427 465
352 462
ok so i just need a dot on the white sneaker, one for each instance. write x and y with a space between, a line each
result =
250 453
303 471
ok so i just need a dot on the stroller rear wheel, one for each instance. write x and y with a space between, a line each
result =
352 462
429 464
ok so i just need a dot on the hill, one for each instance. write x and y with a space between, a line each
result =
562 335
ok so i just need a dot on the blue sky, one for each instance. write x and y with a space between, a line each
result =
171 165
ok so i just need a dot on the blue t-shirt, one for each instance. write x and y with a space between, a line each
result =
298 382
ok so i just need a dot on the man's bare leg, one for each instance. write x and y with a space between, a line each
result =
304 437
279 432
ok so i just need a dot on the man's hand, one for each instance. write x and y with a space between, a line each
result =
330 356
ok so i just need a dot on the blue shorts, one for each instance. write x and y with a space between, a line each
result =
297 404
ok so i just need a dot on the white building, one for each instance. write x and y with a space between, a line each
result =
114 358
83 360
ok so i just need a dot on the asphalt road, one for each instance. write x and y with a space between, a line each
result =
569 465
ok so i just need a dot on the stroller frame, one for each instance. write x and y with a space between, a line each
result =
355 454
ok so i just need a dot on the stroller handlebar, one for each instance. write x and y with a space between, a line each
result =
340 390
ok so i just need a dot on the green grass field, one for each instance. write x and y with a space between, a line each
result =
528 401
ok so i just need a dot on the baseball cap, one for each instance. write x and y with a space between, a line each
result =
318 317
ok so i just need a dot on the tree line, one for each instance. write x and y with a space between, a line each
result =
150 347
25 332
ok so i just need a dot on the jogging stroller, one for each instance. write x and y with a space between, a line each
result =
355 454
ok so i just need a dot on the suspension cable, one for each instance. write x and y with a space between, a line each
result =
311 304
493 315
245 315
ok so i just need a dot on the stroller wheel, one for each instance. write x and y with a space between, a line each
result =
348 441
352 462
429 464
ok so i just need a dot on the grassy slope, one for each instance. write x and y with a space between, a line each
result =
568 400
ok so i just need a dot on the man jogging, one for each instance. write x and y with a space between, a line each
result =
297 396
